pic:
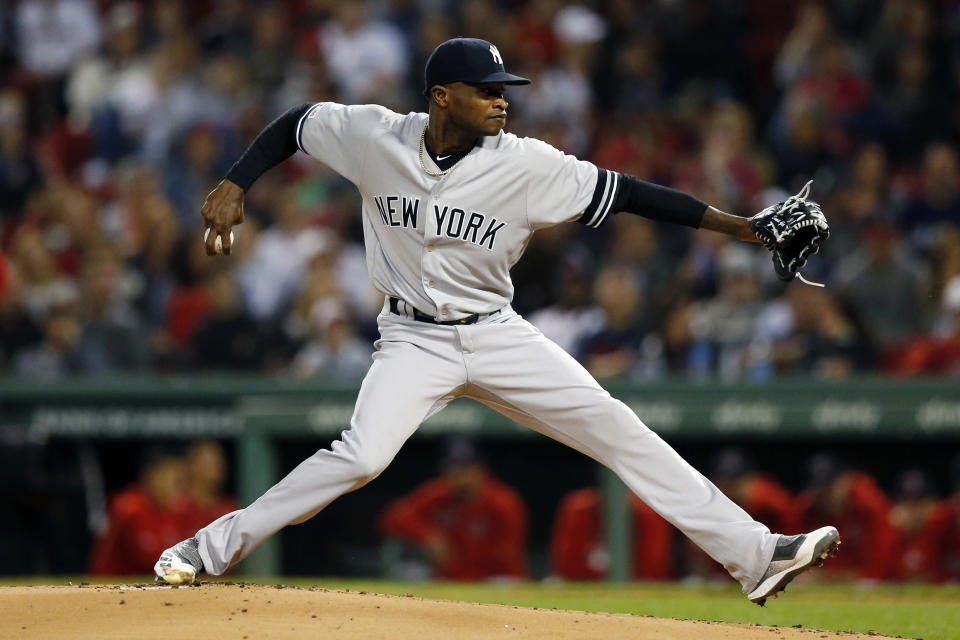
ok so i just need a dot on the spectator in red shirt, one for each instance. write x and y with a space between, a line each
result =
910 517
759 494
469 525
204 500
858 507
942 534
143 519
937 354
578 543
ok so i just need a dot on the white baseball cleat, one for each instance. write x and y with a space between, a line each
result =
180 564
794 555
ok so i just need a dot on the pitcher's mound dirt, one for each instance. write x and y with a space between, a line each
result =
237 611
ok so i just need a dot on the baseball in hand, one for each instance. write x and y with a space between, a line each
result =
218 243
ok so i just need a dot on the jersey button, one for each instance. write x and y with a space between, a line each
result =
430 283
429 247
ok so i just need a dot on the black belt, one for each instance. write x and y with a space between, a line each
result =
422 317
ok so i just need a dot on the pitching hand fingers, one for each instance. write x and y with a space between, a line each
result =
209 241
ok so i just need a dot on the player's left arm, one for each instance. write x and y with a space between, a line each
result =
728 223
792 230
620 192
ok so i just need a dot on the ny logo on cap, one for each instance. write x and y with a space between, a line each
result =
496 55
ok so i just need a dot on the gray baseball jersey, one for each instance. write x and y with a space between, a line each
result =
443 246
446 245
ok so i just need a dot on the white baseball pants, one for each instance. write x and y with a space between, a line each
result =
506 363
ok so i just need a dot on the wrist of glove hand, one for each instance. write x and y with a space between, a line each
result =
769 226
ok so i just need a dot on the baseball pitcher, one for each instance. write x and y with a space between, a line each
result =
450 201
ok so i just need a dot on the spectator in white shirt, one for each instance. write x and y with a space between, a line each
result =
367 58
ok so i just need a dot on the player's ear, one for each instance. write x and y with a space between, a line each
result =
440 95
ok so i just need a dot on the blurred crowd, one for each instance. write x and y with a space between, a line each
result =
118 116
468 525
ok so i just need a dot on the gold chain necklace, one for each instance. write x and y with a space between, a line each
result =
423 164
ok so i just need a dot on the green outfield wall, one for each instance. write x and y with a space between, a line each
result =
257 411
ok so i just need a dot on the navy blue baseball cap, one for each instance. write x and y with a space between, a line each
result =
466 60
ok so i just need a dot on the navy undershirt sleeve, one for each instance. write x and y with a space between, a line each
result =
273 145
617 192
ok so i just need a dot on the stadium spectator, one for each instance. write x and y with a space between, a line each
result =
679 357
92 78
275 270
332 350
19 171
723 327
203 499
915 502
55 355
861 510
937 206
864 193
468 524
807 331
560 94
194 166
946 267
52 35
613 350
811 30
228 339
367 57
270 50
883 283
112 339
44 287
759 494
151 102
726 161
153 258
574 316
578 545
641 247
143 519
942 534
226 29
17 329
188 304
936 354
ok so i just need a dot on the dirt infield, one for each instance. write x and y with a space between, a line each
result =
237 611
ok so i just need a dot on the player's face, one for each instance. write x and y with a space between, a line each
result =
479 109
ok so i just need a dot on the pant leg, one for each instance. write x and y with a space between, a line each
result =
516 370
413 375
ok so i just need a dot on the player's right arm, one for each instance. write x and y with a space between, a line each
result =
223 207
333 133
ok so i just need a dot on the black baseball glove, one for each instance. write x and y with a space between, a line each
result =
793 231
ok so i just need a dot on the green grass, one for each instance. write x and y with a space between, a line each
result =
911 611
932 613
